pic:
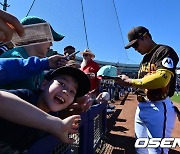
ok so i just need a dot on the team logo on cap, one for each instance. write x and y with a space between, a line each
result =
168 62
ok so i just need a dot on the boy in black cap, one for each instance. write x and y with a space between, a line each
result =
12 105
155 114
57 92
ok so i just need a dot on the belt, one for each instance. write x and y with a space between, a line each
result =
145 98
141 99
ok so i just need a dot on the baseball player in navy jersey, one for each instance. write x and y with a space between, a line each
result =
155 115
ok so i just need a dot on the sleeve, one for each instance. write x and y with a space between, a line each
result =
157 80
14 69
167 58
24 94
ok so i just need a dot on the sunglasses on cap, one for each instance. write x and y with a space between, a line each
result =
136 44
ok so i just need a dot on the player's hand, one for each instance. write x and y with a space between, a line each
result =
56 61
9 23
123 80
69 125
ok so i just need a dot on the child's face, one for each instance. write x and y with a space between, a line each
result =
42 49
58 93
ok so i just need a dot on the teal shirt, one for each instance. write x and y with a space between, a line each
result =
31 83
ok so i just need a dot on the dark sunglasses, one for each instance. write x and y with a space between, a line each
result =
136 44
85 55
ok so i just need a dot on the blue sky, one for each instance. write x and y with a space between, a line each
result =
105 38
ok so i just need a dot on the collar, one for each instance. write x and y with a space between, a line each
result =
152 49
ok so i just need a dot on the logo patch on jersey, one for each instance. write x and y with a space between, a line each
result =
168 62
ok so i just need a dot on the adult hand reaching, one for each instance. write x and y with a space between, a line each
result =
56 61
9 23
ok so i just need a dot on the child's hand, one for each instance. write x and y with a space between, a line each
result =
70 125
101 98
84 103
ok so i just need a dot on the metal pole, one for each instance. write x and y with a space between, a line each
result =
5 5
84 24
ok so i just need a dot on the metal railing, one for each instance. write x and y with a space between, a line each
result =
91 131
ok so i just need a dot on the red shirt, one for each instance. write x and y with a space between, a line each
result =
92 67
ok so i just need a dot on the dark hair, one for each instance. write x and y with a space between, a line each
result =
69 47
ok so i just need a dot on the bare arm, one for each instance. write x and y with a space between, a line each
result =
14 109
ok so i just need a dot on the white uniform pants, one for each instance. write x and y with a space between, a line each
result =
154 120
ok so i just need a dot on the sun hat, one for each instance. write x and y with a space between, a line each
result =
87 51
81 78
35 20
134 34
107 71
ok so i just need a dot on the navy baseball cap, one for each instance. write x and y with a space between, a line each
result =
35 20
134 34
81 78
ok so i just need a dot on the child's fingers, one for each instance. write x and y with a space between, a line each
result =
70 140
73 131
75 117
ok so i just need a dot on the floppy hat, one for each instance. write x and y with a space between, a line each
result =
108 72
134 34
35 20
87 51
81 78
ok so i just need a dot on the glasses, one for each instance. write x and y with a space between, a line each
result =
136 44
85 55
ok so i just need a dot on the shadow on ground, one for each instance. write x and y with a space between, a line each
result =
111 121
171 151
124 143
120 144
114 142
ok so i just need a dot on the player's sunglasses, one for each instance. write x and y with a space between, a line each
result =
136 44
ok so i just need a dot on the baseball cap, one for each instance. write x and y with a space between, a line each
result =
107 71
81 78
35 20
134 34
